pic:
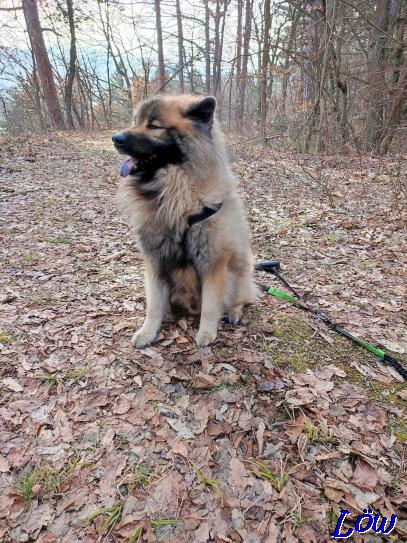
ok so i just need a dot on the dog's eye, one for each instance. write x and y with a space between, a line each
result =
153 126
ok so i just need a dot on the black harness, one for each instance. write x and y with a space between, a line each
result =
204 214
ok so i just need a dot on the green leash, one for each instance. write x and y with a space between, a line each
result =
273 266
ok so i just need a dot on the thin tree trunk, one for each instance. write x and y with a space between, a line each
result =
207 50
30 10
377 72
160 49
72 66
37 91
295 17
330 16
219 39
239 39
247 33
181 61
265 68
319 66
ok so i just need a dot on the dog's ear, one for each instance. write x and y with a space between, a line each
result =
203 110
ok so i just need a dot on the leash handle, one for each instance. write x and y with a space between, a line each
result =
268 265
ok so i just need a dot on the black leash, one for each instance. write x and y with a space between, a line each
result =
273 266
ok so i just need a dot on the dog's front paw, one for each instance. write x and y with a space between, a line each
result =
143 338
205 338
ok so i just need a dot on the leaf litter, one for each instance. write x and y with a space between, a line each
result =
265 436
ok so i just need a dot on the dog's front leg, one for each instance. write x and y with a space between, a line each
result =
214 287
157 304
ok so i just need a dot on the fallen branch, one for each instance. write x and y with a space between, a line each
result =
114 256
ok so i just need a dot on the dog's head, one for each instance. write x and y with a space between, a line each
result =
163 128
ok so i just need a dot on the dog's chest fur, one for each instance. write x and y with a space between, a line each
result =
173 248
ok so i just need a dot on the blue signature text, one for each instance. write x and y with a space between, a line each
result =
376 523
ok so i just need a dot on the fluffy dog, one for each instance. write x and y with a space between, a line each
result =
181 198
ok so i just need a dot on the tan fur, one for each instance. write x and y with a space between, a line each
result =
202 181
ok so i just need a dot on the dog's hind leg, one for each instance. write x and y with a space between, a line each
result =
214 287
157 304
243 289
235 313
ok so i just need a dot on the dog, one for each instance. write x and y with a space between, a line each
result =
181 199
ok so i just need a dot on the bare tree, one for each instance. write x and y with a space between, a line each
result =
160 49
207 49
181 57
70 78
49 90
245 56
377 73
265 67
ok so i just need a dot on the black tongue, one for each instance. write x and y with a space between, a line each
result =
127 166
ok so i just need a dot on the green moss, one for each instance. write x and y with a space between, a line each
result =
30 258
63 240
6 338
399 428
224 352
292 329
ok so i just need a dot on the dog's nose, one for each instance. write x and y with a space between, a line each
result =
119 138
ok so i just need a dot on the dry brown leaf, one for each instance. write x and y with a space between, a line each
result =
364 476
63 427
183 429
402 394
238 474
203 380
4 464
73 500
260 436
299 396
216 429
178 446
121 406
12 384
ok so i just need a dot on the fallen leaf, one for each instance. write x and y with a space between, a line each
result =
62 426
12 384
364 476
238 474
182 428
216 429
4 465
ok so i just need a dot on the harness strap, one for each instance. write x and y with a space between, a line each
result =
204 214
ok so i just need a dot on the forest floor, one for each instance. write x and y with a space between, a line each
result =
265 436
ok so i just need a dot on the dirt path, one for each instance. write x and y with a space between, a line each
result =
266 436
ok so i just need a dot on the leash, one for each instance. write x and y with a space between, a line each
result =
273 266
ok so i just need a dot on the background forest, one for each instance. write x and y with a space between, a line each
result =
320 74
269 434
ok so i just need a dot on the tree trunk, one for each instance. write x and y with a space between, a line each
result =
72 66
207 50
265 68
395 113
239 39
30 10
246 46
377 74
220 20
160 49
181 60
295 17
